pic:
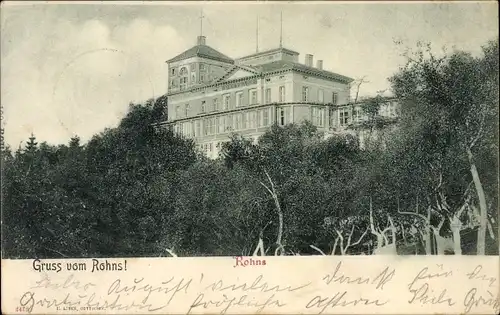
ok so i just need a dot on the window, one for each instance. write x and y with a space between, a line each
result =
321 96
202 78
317 116
356 115
184 78
244 120
183 83
321 117
251 119
187 129
172 71
226 101
178 111
203 106
335 98
344 117
202 67
281 116
221 125
237 123
212 126
253 97
209 126
282 94
181 129
198 129
392 110
229 123
192 66
186 110
205 127
216 104
333 117
239 99
268 96
305 94
265 117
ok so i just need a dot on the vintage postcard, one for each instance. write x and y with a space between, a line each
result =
250 157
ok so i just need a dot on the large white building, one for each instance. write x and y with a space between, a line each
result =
211 96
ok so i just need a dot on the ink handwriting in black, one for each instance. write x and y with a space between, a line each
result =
139 286
422 291
227 302
257 285
69 283
139 289
477 275
473 299
341 299
380 279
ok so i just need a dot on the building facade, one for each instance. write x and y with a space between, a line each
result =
211 96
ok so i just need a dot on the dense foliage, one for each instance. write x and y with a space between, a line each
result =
139 191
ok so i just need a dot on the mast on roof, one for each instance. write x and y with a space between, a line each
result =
257 35
201 22
281 29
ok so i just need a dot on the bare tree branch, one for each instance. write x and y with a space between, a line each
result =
171 252
317 249
360 238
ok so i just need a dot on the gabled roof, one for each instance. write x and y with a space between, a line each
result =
203 51
235 68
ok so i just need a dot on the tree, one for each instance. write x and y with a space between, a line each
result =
450 104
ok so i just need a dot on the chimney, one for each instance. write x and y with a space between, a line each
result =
319 64
309 60
201 40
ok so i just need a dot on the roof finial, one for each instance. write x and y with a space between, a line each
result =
257 35
281 30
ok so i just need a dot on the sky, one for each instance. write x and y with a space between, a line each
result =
73 69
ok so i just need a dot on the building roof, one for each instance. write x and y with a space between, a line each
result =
203 51
270 68
281 65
